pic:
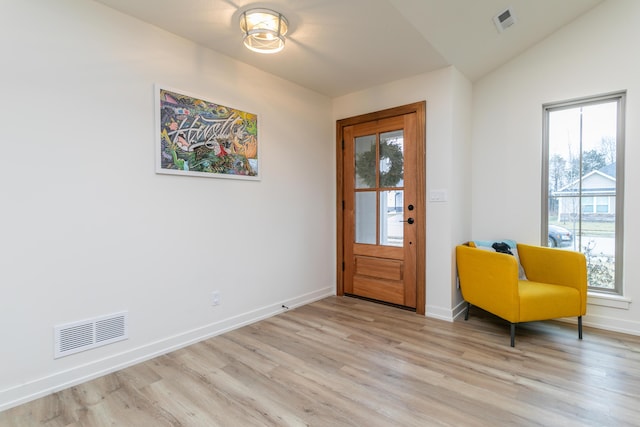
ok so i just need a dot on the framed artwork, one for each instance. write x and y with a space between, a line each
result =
197 137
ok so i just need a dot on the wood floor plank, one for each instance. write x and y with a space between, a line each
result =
348 362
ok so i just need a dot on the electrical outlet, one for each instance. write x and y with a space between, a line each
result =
215 298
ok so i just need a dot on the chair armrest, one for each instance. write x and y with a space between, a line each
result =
557 266
489 280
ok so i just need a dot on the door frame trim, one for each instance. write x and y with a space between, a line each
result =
420 108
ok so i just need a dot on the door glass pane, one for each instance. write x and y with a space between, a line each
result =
392 159
391 225
365 147
365 217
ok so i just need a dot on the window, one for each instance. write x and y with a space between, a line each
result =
602 205
583 182
587 205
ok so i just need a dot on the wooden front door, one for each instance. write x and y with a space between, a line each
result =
382 218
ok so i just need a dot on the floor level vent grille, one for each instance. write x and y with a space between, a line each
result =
79 336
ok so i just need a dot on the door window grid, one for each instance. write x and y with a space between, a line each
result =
379 180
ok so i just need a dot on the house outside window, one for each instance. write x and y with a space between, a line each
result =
583 164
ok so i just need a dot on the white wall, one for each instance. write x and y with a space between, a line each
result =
448 96
460 177
89 229
595 54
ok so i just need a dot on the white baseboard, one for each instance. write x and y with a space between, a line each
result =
612 324
459 309
591 320
440 313
446 314
40 387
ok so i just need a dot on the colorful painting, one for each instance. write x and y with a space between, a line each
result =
201 138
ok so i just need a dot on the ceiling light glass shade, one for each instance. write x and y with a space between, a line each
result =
264 30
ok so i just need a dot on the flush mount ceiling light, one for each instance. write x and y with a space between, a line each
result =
264 30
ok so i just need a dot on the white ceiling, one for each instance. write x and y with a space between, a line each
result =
335 47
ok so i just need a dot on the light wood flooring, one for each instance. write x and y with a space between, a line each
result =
347 362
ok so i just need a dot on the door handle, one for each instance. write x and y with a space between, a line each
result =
409 220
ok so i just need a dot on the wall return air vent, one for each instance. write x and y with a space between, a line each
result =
79 336
504 19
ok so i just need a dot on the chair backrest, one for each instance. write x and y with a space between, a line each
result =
489 280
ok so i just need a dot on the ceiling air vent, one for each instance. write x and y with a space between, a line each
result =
504 20
74 337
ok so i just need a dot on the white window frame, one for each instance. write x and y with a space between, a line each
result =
620 98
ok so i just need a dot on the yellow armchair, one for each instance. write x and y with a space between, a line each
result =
556 284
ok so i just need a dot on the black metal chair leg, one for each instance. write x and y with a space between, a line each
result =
513 335
580 327
466 314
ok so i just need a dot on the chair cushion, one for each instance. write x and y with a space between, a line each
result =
539 301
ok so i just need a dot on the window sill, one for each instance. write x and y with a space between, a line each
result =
612 301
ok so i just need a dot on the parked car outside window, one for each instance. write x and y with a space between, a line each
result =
559 237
